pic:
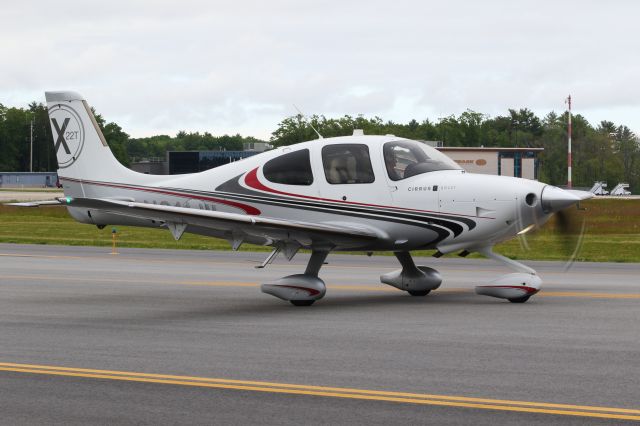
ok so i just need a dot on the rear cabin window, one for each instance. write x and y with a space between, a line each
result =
347 163
293 168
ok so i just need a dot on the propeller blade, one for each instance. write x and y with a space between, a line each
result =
522 236
571 226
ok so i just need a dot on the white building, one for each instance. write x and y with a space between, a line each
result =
516 162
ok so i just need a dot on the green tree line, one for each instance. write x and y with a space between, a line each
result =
16 125
15 136
157 146
606 151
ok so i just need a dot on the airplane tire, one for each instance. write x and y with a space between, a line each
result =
519 299
418 292
302 302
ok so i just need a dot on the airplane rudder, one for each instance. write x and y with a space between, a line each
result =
76 135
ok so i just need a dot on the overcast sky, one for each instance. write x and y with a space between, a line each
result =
157 67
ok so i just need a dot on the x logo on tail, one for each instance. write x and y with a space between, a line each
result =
60 140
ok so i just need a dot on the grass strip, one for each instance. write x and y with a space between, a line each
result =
612 234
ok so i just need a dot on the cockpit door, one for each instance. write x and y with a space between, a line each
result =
421 191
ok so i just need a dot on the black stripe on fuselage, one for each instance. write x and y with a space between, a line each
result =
380 213
233 188
442 230
455 228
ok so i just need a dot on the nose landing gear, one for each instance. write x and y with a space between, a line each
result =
515 287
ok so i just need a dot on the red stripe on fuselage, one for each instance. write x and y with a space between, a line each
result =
250 210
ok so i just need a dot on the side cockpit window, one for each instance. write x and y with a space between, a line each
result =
347 163
293 168
404 159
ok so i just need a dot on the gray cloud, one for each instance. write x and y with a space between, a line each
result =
163 66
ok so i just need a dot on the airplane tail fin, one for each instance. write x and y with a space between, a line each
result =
81 149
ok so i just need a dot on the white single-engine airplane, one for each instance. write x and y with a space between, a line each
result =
355 193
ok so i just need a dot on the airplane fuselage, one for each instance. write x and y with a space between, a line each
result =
447 209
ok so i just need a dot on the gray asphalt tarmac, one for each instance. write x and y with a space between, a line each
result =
66 312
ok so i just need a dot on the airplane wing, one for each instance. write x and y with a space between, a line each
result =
56 202
238 226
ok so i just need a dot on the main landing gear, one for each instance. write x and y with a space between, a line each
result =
415 280
305 289
301 289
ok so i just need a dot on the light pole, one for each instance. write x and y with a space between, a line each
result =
569 159
31 146
30 118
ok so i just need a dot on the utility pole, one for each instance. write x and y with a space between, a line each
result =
569 159
31 150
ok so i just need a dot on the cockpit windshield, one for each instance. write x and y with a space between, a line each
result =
406 158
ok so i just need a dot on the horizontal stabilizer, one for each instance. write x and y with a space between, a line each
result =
56 202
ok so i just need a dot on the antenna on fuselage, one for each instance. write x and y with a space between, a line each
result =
308 121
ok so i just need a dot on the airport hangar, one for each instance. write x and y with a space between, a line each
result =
515 162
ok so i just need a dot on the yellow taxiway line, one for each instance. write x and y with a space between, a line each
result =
340 287
332 392
587 294
132 258
545 293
